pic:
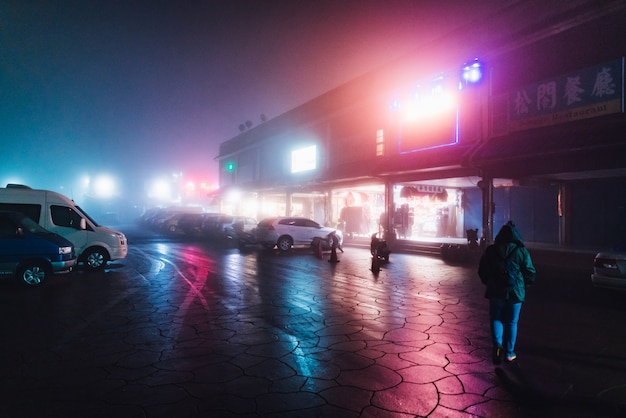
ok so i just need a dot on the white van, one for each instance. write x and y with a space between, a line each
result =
95 245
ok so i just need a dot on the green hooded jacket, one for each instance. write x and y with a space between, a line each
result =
508 243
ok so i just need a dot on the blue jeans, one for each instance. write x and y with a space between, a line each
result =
504 315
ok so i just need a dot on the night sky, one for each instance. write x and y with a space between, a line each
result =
141 88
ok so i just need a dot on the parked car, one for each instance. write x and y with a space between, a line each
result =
166 219
609 269
147 217
171 224
213 225
191 223
238 225
286 232
242 231
30 252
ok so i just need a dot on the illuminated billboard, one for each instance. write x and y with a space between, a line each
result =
436 130
304 159
429 117
586 93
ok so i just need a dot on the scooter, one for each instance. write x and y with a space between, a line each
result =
379 248
327 243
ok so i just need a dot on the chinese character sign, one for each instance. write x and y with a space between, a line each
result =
587 93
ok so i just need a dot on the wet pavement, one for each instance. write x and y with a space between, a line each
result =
187 330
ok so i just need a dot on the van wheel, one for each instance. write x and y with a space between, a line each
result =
33 273
95 258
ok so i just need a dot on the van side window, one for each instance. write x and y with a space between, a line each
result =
65 216
7 228
31 210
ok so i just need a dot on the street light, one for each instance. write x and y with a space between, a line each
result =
472 73
104 186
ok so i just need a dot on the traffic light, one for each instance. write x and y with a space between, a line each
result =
230 166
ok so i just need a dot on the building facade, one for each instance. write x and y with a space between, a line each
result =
518 117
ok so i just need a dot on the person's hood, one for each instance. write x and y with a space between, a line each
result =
508 238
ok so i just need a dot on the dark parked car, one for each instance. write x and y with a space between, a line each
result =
239 225
31 253
242 231
213 225
191 223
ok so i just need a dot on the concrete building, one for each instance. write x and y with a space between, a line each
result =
519 117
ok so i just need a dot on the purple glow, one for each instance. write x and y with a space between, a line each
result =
473 73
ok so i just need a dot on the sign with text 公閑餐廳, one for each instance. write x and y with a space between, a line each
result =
586 93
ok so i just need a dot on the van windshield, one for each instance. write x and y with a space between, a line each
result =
33 226
87 216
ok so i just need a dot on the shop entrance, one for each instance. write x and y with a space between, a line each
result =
420 210
358 210
424 211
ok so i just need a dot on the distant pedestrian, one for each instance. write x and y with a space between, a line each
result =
506 269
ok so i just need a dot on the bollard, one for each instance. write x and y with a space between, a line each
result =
375 262
333 254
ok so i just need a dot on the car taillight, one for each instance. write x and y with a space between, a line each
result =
605 263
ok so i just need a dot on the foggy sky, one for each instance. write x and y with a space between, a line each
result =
142 87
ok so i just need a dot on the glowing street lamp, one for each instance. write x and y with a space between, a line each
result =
104 186
472 73
160 189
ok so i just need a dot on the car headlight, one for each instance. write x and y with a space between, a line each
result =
65 250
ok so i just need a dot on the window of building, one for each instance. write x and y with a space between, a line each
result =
380 143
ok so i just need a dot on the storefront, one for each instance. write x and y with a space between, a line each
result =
540 141
420 211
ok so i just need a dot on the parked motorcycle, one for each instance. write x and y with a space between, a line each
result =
379 248
327 243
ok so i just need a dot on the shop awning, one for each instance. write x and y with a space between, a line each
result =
570 147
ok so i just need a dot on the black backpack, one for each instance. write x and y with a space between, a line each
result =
504 271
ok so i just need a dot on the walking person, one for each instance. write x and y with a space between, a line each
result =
506 269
